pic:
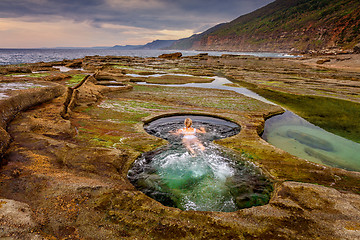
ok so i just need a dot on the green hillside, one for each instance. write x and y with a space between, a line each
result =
286 25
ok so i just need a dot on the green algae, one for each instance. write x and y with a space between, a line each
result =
75 79
131 105
113 124
203 98
136 69
337 116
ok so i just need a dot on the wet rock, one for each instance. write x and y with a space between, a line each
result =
176 55
4 142
322 61
201 56
56 77
43 69
10 70
357 48
111 83
111 76
75 64
310 140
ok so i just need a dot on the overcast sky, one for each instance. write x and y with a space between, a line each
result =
88 23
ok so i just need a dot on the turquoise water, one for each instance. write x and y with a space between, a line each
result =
303 139
213 180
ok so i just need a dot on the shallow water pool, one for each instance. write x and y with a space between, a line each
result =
14 86
303 139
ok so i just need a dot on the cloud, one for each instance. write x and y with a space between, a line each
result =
115 17
155 14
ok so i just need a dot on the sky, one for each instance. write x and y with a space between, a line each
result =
90 23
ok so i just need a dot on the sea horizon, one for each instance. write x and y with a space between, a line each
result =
13 56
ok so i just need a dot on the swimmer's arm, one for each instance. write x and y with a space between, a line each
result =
201 130
177 132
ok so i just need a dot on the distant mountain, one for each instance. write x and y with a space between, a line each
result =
158 44
126 47
99 47
154 45
285 26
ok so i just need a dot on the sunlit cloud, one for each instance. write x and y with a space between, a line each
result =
176 34
135 4
52 23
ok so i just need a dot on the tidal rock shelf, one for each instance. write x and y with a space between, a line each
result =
70 174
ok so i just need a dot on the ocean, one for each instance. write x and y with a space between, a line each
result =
18 56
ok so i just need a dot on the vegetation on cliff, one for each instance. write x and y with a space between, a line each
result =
296 25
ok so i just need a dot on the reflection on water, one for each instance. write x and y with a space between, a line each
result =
213 180
13 86
218 83
303 139
67 69
3 95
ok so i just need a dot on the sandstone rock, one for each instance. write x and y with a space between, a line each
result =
171 55
10 70
357 48
110 76
75 64
320 208
322 61
16 220
201 56
25 99
4 141
56 77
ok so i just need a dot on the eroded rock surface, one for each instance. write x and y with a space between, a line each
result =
16 221
66 178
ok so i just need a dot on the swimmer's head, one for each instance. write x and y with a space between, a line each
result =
188 122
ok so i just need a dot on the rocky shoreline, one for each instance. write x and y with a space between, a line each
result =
64 172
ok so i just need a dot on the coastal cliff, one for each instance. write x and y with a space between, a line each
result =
304 26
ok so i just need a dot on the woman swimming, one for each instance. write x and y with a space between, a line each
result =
189 137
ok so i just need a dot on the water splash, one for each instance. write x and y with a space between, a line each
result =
214 180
